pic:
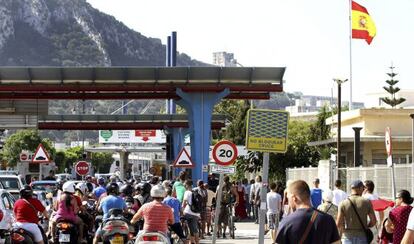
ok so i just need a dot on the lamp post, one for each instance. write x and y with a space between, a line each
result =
338 141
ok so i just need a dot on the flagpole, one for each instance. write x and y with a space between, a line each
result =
350 55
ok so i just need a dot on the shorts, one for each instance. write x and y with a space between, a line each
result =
192 221
178 229
32 228
208 214
273 220
203 215
224 215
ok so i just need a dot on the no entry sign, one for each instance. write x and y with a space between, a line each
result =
225 153
82 168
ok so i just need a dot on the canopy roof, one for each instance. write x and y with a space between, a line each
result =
136 82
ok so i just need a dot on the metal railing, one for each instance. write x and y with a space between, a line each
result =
379 174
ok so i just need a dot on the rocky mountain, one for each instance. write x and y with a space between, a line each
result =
73 33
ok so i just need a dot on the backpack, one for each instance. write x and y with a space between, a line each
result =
226 195
196 201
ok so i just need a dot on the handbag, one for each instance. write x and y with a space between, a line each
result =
307 230
368 232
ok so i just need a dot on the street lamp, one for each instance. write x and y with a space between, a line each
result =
338 140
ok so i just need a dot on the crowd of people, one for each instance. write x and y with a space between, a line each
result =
325 216
295 214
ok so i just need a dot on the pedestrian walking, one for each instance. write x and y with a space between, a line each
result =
274 205
247 187
327 206
316 194
240 210
203 214
255 197
398 217
338 194
305 225
370 195
353 215
190 212
210 198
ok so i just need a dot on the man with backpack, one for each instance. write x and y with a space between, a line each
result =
228 193
192 205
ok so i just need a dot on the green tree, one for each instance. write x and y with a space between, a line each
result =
320 130
60 160
392 90
24 140
102 161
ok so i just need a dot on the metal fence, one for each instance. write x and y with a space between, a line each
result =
380 175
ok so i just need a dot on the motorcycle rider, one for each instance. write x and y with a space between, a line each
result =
157 216
68 206
25 212
144 196
109 202
100 189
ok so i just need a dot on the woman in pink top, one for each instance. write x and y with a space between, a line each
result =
156 215
398 218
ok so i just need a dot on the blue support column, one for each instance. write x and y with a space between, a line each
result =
178 139
199 107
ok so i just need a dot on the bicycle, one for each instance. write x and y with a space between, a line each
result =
231 221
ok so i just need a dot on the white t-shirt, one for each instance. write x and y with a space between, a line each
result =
410 223
274 200
338 196
187 209
370 196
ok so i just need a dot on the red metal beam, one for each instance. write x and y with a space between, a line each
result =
118 126
116 96
125 87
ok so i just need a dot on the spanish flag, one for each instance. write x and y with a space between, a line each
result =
362 25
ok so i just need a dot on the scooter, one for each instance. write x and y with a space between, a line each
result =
19 235
116 229
152 238
66 232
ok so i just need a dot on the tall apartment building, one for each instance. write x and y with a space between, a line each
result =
224 59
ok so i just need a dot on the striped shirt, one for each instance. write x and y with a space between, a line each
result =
156 215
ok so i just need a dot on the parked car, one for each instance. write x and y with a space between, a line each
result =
47 186
6 215
12 183
64 177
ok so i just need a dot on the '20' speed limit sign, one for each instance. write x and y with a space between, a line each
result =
225 153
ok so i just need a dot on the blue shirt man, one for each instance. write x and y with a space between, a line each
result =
175 205
111 202
101 189
316 194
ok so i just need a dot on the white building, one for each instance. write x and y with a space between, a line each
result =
224 59
373 100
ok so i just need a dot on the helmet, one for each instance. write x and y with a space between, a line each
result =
127 190
69 187
101 180
82 187
158 191
26 191
112 188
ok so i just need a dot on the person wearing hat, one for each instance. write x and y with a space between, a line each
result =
348 222
327 206
316 194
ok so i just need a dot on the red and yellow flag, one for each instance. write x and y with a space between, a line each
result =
362 25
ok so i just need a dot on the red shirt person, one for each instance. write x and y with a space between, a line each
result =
25 212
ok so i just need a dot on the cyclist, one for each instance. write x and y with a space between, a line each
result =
25 212
228 193
156 215
109 202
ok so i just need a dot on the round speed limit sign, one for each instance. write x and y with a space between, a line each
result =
225 153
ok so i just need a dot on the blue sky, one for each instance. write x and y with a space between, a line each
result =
310 38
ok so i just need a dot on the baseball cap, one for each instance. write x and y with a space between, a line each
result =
357 184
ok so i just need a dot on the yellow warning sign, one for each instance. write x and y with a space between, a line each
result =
267 130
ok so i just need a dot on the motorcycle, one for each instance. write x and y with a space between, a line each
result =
20 235
116 229
66 232
152 238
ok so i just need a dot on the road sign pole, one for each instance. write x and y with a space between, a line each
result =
217 212
394 190
263 193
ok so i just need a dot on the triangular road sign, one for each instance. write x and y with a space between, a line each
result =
183 160
41 155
